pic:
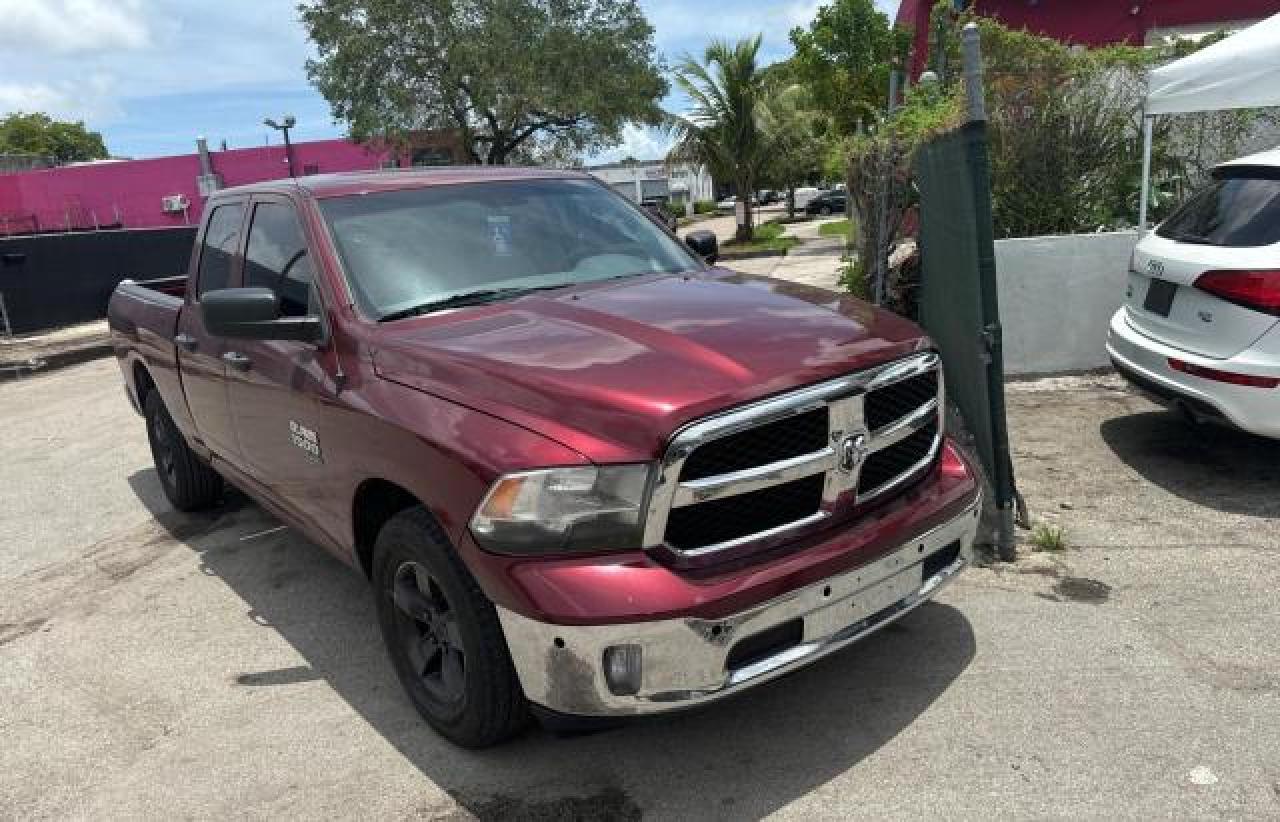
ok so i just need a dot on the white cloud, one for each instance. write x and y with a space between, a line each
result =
637 142
91 99
73 26
801 12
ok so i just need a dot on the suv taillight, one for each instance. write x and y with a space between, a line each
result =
1259 290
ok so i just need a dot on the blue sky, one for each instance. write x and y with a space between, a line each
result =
151 75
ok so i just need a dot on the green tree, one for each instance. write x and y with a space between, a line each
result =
796 133
723 128
516 79
37 133
845 57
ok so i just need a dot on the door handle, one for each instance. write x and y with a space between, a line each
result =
185 342
237 360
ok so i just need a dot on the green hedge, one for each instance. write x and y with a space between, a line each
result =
704 207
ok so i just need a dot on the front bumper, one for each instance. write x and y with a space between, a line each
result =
689 661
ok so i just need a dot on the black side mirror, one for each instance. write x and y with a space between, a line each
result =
254 314
704 244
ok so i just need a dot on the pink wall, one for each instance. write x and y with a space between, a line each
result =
130 192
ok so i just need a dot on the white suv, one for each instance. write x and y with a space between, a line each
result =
1199 330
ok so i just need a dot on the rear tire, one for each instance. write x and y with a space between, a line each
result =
189 482
443 635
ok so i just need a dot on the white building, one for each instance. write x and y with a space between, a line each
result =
639 181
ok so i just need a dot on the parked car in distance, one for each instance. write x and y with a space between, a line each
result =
767 197
586 474
804 196
827 203
1199 328
730 204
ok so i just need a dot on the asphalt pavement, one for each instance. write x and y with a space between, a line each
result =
160 665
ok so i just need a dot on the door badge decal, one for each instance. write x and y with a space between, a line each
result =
305 439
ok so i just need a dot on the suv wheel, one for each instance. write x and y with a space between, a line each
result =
189 482
443 635
826 211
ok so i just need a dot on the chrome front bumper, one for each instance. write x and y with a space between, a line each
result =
685 661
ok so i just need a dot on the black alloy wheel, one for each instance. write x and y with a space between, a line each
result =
189 483
428 633
443 634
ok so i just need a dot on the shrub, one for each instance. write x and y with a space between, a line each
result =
704 207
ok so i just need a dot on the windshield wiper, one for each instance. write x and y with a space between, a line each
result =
479 297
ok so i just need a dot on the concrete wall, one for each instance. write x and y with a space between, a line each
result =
1057 295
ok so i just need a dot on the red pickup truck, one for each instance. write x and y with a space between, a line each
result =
587 473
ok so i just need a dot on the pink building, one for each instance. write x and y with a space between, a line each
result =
1094 22
165 191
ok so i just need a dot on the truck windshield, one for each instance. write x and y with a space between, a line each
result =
419 250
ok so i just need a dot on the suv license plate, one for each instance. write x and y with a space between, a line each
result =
1160 296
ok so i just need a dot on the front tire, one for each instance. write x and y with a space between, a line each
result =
189 483
443 635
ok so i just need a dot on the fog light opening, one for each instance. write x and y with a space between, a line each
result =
623 667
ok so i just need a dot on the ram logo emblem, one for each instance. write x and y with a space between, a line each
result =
853 450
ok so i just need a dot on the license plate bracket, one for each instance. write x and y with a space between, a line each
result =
1159 299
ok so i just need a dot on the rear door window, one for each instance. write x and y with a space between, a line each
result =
276 258
1236 211
221 238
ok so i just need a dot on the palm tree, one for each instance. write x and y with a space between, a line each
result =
793 128
723 128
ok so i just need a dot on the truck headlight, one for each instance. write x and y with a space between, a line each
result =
578 509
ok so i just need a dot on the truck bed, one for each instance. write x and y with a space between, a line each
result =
144 316
173 286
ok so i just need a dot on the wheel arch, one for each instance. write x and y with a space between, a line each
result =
142 382
376 501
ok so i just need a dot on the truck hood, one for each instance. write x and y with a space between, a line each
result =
612 370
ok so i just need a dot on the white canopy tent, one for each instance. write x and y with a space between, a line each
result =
1242 71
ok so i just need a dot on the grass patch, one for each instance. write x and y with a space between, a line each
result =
768 238
1046 537
839 228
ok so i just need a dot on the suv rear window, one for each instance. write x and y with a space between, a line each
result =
1235 211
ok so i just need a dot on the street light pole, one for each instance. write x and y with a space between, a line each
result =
287 123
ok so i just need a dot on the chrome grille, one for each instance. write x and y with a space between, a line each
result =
792 437
720 520
889 404
782 464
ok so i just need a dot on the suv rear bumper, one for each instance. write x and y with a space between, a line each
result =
1145 363
687 661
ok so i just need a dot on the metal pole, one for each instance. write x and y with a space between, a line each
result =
971 41
879 272
991 335
288 151
1144 197
4 315
939 51
895 83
